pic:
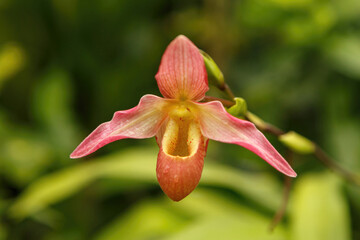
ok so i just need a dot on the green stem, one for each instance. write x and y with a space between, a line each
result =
266 127
226 103
328 162
226 89
319 153
285 200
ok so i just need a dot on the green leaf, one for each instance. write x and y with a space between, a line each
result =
138 165
3 232
24 155
57 186
203 215
220 217
319 210
344 53
12 60
260 188
52 109
208 202
147 220
229 227
50 189
347 10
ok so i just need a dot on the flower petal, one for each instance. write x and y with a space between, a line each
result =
217 124
181 159
182 73
142 121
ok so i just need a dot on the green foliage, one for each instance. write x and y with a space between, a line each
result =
203 215
343 52
136 165
319 211
57 186
53 95
11 61
67 66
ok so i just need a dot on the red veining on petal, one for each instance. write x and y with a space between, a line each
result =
142 121
181 159
182 73
215 123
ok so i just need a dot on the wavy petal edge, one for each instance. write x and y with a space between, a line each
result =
142 121
219 125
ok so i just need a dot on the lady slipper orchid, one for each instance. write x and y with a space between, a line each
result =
182 126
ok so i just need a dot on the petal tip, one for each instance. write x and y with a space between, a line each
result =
77 154
74 156
181 37
292 174
219 125
176 198
142 121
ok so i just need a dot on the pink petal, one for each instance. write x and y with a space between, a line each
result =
217 124
181 159
182 73
142 121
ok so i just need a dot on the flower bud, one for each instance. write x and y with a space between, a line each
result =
260 124
215 76
239 109
297 143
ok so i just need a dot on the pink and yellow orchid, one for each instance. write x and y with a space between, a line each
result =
182 126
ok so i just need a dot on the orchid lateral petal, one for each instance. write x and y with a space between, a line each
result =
142 121
182 73
217 124
181 159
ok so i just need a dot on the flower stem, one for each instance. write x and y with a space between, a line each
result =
263 126
224 102
328 162
226 89
287 187
266 127
319 153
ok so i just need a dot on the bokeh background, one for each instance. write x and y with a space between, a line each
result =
67 65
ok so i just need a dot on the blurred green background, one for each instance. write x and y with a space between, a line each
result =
67 65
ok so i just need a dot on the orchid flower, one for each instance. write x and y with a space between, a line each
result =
181 124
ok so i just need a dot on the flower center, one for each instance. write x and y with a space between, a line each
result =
181 111
182 134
